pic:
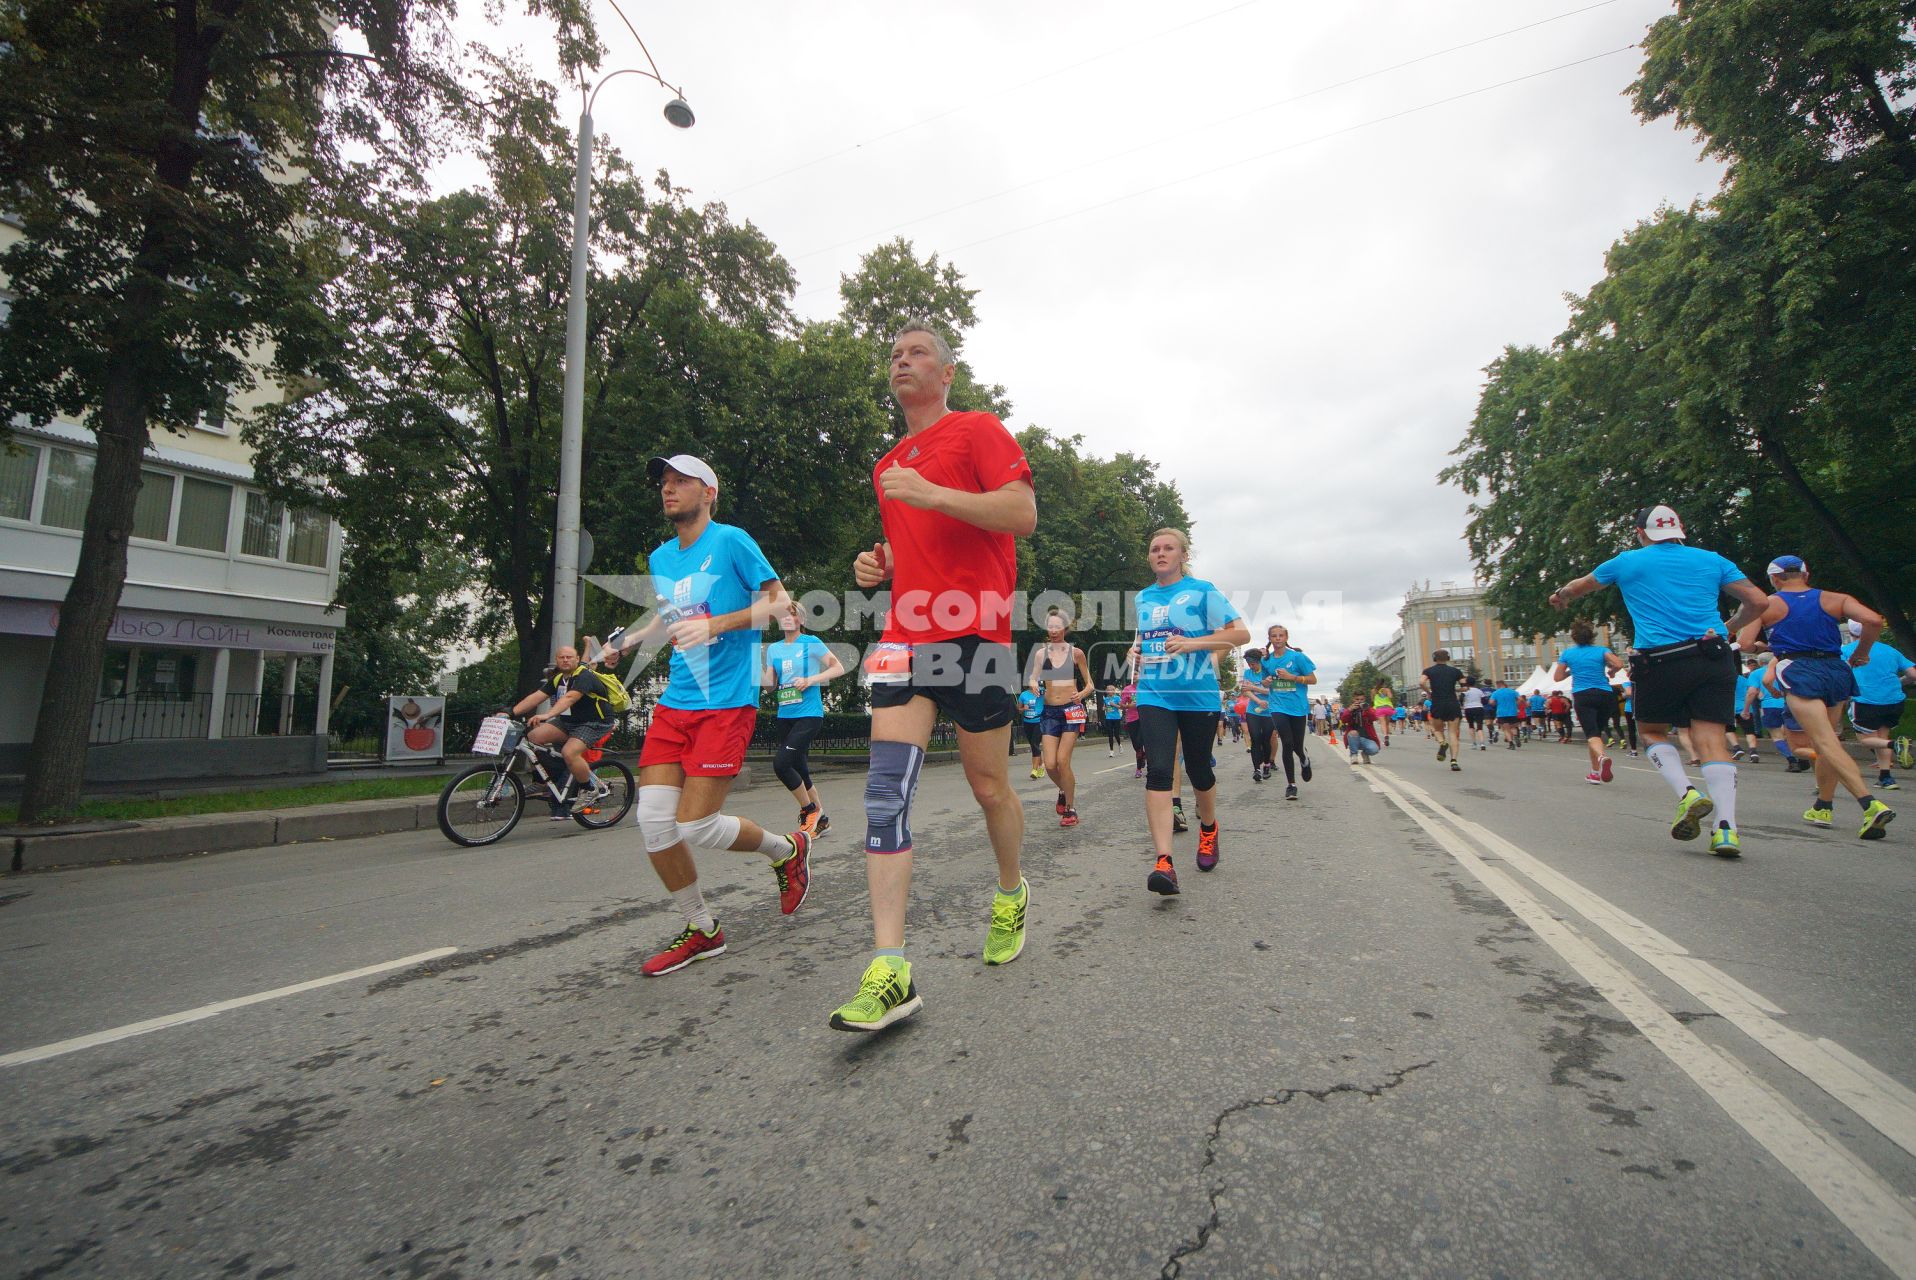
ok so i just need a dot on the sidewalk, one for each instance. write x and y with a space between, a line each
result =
99 843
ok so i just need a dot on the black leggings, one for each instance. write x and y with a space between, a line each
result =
1134 729
1161 730
1595 709
791 762
1260 729
1290 732
1113 727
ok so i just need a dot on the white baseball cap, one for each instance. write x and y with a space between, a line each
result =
1660 523
686 465
1856 628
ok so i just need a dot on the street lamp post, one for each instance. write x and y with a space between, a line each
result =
565 550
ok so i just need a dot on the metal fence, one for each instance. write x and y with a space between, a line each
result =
839 733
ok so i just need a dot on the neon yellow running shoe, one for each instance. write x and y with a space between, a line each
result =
1723 842
1875 818
1007 936
1904 754
1691 811
1818 815
885 994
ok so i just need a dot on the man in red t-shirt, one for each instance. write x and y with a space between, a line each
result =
952 495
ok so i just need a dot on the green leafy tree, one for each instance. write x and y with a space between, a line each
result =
1745 358
891 288
1355 688
174 168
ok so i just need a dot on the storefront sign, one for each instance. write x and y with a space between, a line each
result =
174 630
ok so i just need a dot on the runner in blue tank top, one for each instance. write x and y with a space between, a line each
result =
1805 634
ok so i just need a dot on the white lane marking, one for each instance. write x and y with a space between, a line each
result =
1891 1111
1855 1193
1114 768
131 1029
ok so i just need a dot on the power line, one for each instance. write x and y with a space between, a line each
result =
1275 151
1185 133
966 106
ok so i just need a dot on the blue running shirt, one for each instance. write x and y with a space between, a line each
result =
1179 681
1671 590
791 660
1288 699
1587 671
720 573
1880 682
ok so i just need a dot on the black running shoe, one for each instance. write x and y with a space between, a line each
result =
1307 766
1163 878
1290 791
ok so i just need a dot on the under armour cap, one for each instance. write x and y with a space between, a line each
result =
686 465
1659 523
1787 564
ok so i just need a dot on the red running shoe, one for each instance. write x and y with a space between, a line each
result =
795 873
1207 847
1604 769
687 947
1060 806
1069 818
1163 878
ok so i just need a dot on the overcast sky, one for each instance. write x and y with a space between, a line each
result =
1195 232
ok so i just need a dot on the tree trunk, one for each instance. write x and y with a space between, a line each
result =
57 761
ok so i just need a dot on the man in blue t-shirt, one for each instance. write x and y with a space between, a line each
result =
1683 666
1878 707
1503 702
715 592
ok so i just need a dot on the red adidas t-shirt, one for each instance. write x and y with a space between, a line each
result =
950 578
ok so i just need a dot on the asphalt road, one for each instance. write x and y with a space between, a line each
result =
1487 1023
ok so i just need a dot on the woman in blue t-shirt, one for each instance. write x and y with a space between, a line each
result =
1182 624
1588 665
795 669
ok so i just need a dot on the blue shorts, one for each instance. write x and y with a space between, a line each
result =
1779 718
1826 680
1055 722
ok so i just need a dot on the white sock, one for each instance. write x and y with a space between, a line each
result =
692 904
1719 781
777 848
1670 765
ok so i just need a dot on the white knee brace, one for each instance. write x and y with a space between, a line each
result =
713 831
658 817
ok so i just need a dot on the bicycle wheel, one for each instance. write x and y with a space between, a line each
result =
481 805
611 810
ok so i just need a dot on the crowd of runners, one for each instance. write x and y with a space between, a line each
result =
954 494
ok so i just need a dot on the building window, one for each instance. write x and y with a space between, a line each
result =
260 535
206 509
69 485
167 673
18 470
113 673
307 545
153 509
214 419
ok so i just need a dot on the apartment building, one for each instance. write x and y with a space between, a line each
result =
225 587
1459 618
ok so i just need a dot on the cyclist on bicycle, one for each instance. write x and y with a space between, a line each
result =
578 717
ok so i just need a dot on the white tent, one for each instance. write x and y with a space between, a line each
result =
1540 682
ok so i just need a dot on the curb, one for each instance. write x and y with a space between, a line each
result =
159 839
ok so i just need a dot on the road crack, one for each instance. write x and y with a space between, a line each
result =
1174 1265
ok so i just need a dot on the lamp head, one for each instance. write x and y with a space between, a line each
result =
679 112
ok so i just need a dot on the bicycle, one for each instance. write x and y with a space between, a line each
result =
483 804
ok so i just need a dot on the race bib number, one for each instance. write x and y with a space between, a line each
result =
491 736
888 663
789 695
1074 714
1151 645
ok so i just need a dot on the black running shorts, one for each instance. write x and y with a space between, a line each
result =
972 680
